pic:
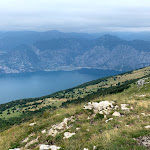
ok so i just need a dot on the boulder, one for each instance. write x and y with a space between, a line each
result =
102 107
147 127
77 129
124 107
116 114
32 124
67 135
43 131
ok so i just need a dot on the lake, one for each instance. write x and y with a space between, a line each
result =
30 85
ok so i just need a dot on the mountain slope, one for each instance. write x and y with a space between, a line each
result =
119 118
107 52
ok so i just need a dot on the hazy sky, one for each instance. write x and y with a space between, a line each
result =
75 15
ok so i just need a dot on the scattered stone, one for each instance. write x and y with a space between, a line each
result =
145 141
109 120
77 129
85 149
59 128
143 114
67 135
15 149
94 147
124 107
32 142
142 95
131 108
43 131
87 130
32 124
47 147
116 114
27 138
147 127
127 125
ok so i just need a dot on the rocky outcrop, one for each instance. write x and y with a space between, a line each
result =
102 107
60 127
144 141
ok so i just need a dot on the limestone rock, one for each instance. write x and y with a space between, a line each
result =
25 140
32 142
32 124
143 114
49 147
102 107
43 131
147 127
124 107
67 135
77 129
117 114
142 95
60 127
15 149
116 107
109 120
145 141
141 82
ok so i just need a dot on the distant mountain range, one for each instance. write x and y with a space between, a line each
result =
51 51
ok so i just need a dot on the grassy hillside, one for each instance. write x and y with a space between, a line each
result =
123 132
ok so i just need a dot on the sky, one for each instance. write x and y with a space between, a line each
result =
75 15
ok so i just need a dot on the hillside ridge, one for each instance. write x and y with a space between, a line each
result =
109 113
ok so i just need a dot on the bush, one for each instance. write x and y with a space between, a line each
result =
99 116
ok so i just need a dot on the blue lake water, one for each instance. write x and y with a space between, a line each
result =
30 85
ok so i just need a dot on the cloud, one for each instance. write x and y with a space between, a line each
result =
75 15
